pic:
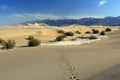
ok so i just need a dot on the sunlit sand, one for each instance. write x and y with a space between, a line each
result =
73 61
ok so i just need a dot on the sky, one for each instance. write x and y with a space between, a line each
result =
17 11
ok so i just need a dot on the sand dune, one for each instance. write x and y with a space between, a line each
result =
43 32
80 62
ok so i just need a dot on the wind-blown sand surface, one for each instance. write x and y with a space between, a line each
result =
43 32
56 62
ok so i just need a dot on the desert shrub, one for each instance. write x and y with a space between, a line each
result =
61 31
88 32
10 44
92 37
102 33
69 34
77 32
30 38
95 31
34 42
108 29
1 41
60 38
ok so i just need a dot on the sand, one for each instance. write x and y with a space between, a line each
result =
110 74
43 32
55 62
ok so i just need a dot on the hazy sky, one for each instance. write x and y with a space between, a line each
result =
17 11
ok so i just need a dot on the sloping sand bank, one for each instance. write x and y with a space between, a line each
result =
51 62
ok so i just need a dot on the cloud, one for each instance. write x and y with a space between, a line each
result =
16 18
36 16
102 2
4 7
79 17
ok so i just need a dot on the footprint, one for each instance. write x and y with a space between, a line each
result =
68 69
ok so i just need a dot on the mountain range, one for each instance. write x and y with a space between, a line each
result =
107 21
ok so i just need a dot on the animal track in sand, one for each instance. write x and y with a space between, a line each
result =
68 69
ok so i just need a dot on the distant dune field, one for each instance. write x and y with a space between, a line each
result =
43 31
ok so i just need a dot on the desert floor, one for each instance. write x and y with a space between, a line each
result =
51 62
